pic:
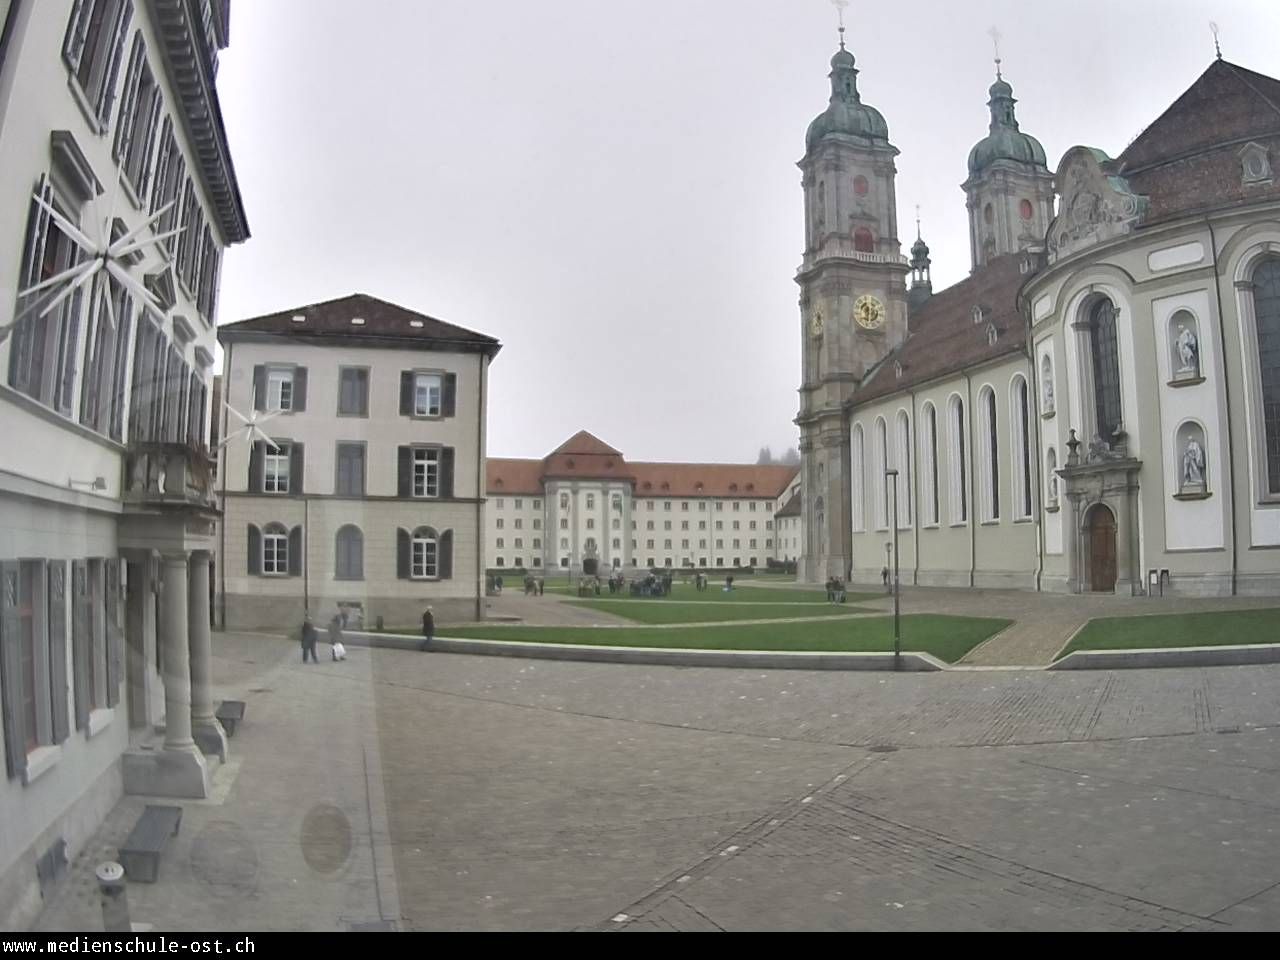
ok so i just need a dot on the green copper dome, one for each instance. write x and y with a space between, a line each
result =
1005 141
846 113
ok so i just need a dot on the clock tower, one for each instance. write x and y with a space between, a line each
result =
853 300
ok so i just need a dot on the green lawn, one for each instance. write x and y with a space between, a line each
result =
1179 630
948 638
679 611
716 594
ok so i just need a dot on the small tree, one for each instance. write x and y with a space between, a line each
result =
792 456
765 457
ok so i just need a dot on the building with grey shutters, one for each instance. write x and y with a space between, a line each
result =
369 497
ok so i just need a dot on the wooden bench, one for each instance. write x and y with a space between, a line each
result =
230 713
140 854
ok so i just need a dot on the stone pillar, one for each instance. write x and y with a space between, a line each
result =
205 728
179 770
140 648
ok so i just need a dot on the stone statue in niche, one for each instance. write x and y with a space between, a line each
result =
1048 396
1053 488
1188 353
1193 466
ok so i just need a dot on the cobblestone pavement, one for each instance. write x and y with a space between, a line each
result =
501 794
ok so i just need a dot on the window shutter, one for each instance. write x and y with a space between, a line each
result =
295 552
296 464
446 555
254 563
256 467
404 472
406 393
260 387
15 739
450 400
300 389
402 554
81 642
117 54
115 632
57 580
446 472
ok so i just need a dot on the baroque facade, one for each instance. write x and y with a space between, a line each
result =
1096 408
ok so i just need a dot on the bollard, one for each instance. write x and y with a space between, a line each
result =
115 898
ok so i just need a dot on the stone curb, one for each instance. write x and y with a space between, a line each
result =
1224 656
657 656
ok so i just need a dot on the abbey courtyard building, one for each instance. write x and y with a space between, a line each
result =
1096 408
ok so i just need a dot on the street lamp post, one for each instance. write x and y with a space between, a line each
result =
891 480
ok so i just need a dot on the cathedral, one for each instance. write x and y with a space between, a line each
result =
1096 407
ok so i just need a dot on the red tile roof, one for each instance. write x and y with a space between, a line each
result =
586 457
945 339
382 320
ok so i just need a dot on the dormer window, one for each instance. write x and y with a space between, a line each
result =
897 369
978 314
1256 164
992 334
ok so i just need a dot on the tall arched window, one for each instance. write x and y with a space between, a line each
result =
958 462
349 557
878 482
929 464
903 461
864 241
1020 407
989 463
1106 368
1266 307
857 482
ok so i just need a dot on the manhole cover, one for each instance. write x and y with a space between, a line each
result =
326 838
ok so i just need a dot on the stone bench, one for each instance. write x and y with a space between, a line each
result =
230 713
140 853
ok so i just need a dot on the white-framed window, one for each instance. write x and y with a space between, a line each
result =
279 389
537 523
857 480
275 550
424 555
537 504
426 472
564 543
591 501
498 524
617 502
428 389
958 465
617 544
519 523
93 49
537 543
564 501
275 469
737 505
879 482
1020 421
519 545
591 523
500 543
564 524
989 461
519 504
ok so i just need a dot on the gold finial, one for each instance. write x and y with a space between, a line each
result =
840 5
1217 47
994 34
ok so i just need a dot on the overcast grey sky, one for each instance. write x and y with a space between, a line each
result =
610 187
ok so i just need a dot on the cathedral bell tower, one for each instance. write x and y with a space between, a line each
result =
853 300
1009 188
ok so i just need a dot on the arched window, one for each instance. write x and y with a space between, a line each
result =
857 482
989 463
424 556
1106 368
878 481
929 466
1266 307
275 550
864 241
349 557
902 461
959 462
1020 408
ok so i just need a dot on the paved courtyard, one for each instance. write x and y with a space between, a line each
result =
442 792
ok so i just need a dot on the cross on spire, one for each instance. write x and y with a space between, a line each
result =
1217 47
840 5
994 34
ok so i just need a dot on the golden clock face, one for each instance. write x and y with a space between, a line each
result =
868 312
815 325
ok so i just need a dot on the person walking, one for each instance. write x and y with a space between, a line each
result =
337 649
309 640
428 628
